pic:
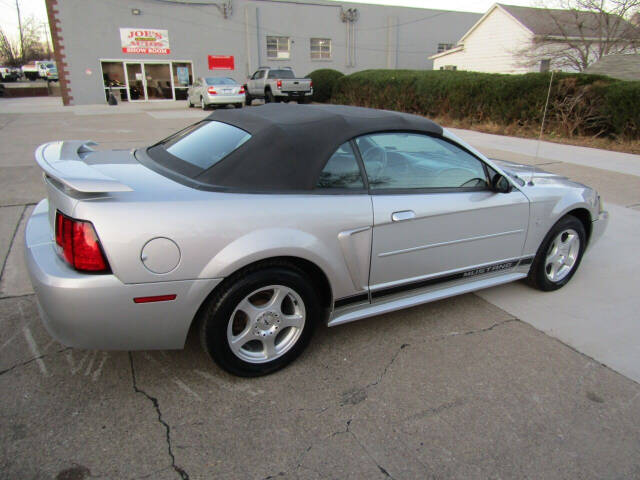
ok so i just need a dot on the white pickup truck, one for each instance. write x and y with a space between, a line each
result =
276 85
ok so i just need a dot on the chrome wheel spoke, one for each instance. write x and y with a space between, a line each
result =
295 321
275 302
269 346
239 341
250 309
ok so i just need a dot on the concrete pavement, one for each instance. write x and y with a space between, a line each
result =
462 388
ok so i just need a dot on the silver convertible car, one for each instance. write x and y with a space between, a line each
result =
253 226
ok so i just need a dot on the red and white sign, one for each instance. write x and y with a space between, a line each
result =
145 41
221 62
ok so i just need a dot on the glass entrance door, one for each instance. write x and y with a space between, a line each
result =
158 81
135 82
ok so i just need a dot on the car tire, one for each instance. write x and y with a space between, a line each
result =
268 96
247 98
189 104
203 105
246 337
559 255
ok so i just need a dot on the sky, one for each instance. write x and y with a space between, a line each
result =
9 19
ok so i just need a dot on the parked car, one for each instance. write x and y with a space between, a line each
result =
30 71
255 225
51 74
219 91
10 74
39 69
278 85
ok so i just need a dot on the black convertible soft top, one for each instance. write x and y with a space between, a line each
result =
290 144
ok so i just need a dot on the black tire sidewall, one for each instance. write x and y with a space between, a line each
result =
537 274
216 321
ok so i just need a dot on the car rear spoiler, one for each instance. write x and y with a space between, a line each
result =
63 161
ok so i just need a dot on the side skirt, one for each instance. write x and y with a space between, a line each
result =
370 310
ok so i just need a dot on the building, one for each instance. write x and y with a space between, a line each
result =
150 49
514 39
622 67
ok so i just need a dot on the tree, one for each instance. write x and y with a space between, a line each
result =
34 48
9 50
581 32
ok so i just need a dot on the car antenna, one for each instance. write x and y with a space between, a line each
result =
544 116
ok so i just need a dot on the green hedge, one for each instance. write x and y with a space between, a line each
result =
323 82
579 104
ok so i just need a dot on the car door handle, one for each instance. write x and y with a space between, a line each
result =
403 215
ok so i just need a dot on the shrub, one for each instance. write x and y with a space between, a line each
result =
579 104
323 83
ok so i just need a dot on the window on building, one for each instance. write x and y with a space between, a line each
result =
545 65
320 48
443 47
278 48
449 67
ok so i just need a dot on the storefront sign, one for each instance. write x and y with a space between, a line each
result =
145 41
183 75
221 62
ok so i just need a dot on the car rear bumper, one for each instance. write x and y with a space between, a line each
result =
598 227
293 94
98 311
224 99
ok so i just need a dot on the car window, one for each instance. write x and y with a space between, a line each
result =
341 170
219 81
282 73
415 161
201 145
259 74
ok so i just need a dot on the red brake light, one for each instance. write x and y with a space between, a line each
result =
311 83
79 244
241 89
279 83
212 91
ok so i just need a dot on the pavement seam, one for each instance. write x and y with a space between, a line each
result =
13 239
9 205
179 470
34 359
13 297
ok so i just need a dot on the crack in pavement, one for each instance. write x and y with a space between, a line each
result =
31 360
179 470
13 239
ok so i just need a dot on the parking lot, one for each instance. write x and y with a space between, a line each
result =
506 383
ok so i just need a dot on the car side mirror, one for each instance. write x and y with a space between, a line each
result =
500 184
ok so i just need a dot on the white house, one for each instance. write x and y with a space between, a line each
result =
514 39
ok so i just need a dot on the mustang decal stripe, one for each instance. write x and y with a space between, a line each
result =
496 267
342 302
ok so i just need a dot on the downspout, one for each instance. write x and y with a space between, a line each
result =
247 40
258 36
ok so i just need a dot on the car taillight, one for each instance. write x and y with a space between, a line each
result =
212 91
241 89
279 83
311 83
79 245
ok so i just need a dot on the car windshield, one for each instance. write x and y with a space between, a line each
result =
219 81
198 147
284 73
50 65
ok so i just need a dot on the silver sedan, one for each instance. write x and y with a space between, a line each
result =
215 91
253 226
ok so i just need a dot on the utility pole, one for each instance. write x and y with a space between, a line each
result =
46 37
20 28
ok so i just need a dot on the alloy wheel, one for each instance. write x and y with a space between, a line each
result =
266 324
562 255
